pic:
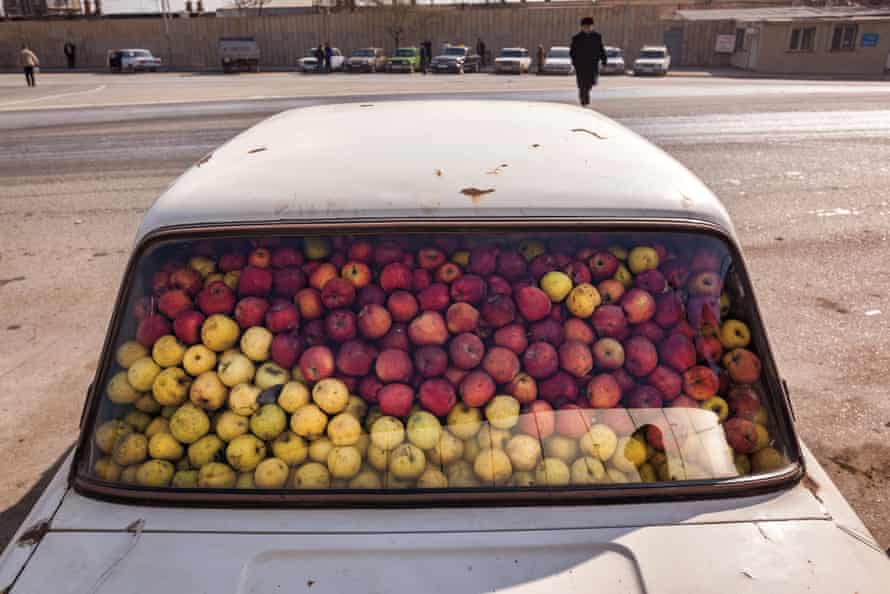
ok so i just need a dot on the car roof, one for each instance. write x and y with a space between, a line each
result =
654 47
561 162
559 47
613 47
513 49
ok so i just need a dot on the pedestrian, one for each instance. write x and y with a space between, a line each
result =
428 50
540 57
328 53
70 54
587 52
423 57
480 49
28 61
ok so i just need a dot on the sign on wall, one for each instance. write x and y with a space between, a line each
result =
870 39
725 44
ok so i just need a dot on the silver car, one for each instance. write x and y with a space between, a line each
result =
557 61
424 377
614 61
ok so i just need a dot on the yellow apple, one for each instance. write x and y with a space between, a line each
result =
168 351
472 446
619 252
293 395
599 442
163 446
107 470
642 258
208 391
255 343
216 475
269 374
461 258
378 458
553 472
171 386
647 473
214 277
185 479
387 433
363 443
344 430
131 448
138 420
291 448
128 474
432 478
502 412
407 462
189 423
531 249
147 404
319 450
157 425
205 450
374 413
219 332
155 473
423 430
245 481
344 462
331 395
492 437
234 368
198 359
587 470
268 422
108 433
309 421
562 447
523 478
734 334
629 454
129 352
557 285
718 406
463 421
142 374
366 479
524 452
356 407
742 464
120 391
316 248
493 466
448 450
230 425
243 399
271 473
461 475
231 279
623 276
245 452
762 437
311 475
583 300
203 265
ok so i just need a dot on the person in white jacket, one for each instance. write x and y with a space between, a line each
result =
28 61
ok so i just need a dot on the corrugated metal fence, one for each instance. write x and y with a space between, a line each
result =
283 39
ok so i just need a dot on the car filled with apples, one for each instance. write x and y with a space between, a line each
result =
471 379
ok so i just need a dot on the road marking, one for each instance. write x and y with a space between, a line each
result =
57 96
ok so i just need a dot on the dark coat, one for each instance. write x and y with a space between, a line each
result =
586 50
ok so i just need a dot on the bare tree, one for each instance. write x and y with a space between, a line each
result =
403 20
245 5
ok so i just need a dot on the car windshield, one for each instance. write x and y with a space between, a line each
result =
363 53
511 53
558 53
652 54
455 51
480 360
140 54
406 53
614 53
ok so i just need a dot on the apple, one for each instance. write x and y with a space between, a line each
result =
498 310
286 256
396 338
640 356
705 259
476 389
578 272
644 397
572 421
337 293
251 311
501 363
609 353
437 396
395 400
309 302
638 306
625 380
362 251
371 295
498 285
393 365
700 382
668 309
455 375
677 352
708 348
533 303
402 305
259 257
172 303
483 261
430 361
287 281
577 330
558 388
522 387
510 265
667 381
461 317
386 252
741 434
745 403
356 272
734 334
603 391
540 360
231 261
369 388
684 401
676 272
703 312
642 258
611 291
531 249
649 330
215 298
557 285
282 317
575 358
340 325
707 284
466 351
435 297
286 349
652 281
448 273
314 332
317 363
187 326
609 320
513 337
602 265
428 329
151 328
255 282
374 321
538 420
541 265
320 273
186 279
617 419
395 276
548 330
743 366
430 258
468 288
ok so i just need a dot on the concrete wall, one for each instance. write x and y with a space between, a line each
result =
283 39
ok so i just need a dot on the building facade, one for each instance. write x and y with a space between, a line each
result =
40 8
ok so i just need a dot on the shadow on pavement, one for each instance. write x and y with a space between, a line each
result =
12 517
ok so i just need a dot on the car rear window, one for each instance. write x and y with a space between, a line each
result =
493 361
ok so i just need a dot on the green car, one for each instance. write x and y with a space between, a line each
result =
405 59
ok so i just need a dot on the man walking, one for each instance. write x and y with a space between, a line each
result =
328 53
70 54
480 49
540 59
587 52
28 61
428 53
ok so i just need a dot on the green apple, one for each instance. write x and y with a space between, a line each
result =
205 450
163 446
268 422
424 430
189 423
120 391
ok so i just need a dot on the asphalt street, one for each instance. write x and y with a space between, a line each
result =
802 166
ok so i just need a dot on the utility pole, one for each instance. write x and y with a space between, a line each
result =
165 14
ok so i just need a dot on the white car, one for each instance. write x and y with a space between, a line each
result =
309 63
558 61
653 59
132 60
246 431
512 60
614 61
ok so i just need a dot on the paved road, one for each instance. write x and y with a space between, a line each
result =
802 166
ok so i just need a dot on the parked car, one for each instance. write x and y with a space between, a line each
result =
558 61
512 60
405 59
653 59
229 444
239 53
132 60
309 63
457 59
614 61
369 59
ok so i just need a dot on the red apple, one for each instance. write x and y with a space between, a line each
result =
462 317
741 434
578 272
708 284
395 276
361 251
522 387
575 358
512 337
649 330
186 279
286 257
356 272
652 281
743 401
371 294
317 363
572 421
677 352
683 328
369 388
455 375
702 311
743 366
541 265
676 272
231 261
434 298
638 306
374 321
708 348
501 363
338 292
340 325
448 273
511 265
287 281
396 338
251 311
286 349
255 282
393 365
402 305
533 303
540 360
430 258
700 382
611 291
538 420
498 285
396 400
320 273
668 309
603 265
387 252
576 329
609 320
428 329
483 261
172 303
282 317
468 288
216 298
640 356
437 396
314 332
644 397
549 330
151 328
145 306
259 257
430 361
466 350
608 353
666 381
558 388
498 310
603 391
187 326
476 389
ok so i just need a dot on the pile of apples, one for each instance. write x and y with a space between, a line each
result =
445 361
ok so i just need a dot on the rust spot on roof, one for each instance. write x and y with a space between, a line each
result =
34 534
591 132
536 145
439 173
476 194
497 170
258 149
